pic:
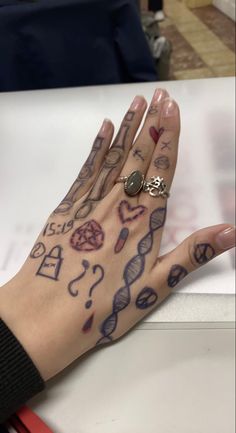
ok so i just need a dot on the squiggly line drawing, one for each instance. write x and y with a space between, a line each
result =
72 292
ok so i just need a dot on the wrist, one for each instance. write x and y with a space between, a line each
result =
20 380
38 325
18 312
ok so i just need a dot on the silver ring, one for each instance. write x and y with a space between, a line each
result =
135 183
156 187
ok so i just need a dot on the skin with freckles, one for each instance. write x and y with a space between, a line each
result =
95 268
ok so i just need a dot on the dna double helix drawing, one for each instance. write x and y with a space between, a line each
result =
132 272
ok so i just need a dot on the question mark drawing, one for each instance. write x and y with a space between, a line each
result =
74 293
92 288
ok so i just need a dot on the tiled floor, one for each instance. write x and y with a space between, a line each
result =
202 41
218 23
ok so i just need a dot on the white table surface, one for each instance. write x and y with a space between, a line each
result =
175 372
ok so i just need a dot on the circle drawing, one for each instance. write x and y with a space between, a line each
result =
146 298
38 250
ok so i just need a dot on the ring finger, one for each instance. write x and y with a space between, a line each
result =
164 157
141 152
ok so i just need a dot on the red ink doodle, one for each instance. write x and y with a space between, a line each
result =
123 236
128 213
155 133
88 324
88 237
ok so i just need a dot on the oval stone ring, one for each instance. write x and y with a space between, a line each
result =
135 182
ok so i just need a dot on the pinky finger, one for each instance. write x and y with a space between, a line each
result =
195 251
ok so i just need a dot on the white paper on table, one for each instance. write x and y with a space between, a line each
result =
39 160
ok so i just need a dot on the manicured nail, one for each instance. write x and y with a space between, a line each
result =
159 95
137 103
226 239
170 108
105 126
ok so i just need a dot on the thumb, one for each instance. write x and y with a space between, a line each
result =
195 251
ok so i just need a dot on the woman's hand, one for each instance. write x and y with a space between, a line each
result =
95 270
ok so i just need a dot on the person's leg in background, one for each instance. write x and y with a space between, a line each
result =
157 7
138 4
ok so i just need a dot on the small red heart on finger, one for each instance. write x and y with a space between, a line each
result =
155 133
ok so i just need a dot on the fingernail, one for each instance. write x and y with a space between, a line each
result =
226 238
159 95
170 108
138 103
105 126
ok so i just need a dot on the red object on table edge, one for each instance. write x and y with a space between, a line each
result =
26 421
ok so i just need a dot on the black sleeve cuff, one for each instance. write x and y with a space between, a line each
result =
19 378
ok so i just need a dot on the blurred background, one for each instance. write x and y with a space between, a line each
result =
201 34
64 43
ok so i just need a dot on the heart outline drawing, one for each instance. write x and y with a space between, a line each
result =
128 213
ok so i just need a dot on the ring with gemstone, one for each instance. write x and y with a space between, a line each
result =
135 183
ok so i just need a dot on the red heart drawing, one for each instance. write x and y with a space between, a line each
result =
155 134
128 213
